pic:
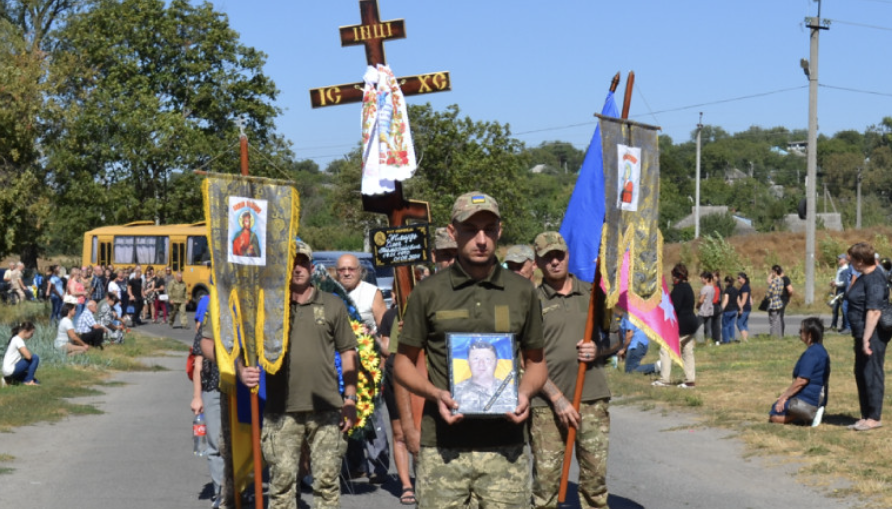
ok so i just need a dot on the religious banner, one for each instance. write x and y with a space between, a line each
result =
388 154
251 226
632 184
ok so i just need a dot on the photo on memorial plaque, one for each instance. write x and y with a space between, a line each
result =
482 373
247 231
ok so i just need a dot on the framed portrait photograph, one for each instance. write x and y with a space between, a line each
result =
482 373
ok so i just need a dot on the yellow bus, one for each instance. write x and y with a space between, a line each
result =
182 247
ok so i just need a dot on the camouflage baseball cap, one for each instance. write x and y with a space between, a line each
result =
442 240
471 203
519 253
303 248
549 241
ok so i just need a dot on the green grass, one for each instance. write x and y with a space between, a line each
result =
5 458
736 384
64 377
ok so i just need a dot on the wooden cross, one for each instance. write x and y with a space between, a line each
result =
372 33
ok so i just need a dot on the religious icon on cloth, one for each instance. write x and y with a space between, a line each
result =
247 231
629 159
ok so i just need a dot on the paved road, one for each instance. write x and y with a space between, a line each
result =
137 454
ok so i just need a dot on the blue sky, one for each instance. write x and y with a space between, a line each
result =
544 67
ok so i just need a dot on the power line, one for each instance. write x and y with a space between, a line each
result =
875 27
733 99
884 94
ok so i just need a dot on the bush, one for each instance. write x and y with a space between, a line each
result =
721 225
828 249
717 254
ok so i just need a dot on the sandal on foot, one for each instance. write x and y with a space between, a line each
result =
408 496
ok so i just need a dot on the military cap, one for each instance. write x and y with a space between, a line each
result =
471 203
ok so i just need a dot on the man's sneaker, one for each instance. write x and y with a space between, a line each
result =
844 331
687 385
660 383
657 366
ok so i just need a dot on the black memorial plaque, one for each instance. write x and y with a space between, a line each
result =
400 245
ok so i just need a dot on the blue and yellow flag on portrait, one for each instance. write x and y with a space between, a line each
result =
251 223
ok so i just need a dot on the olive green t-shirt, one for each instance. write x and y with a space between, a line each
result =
308 380
450 301
563 320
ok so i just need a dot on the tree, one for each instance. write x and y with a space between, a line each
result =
150 96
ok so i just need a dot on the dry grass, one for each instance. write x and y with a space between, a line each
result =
760 252
736 385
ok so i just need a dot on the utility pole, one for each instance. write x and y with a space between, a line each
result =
811 70
858 205
697 192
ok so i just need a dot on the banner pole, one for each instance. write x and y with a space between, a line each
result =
589 323
252 361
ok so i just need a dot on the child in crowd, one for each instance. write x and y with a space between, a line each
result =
19 364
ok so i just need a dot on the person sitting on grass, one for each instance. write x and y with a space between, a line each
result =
89 331
110 318
66 339
19 364
810 378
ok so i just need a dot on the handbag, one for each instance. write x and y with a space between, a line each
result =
885 321
163 297
800 410
763 306
69 299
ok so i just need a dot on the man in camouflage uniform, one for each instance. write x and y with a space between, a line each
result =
177 298
303 401
464 458
519 260
444 249
484 392
565 301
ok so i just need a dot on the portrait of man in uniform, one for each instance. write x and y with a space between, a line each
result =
488 390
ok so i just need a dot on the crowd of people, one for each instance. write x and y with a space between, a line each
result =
462 454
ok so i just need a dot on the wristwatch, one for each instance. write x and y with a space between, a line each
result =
351 397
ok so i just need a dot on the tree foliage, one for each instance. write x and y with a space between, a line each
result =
151 93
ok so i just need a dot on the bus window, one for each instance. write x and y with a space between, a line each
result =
141 250
198 253
95 250
124 252
151 250
177 256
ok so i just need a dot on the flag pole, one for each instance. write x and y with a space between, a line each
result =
589 325
252 361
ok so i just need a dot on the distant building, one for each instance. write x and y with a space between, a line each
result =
797 147
832 221
744 225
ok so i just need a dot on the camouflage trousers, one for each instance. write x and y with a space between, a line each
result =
547 442
280 441
494 478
